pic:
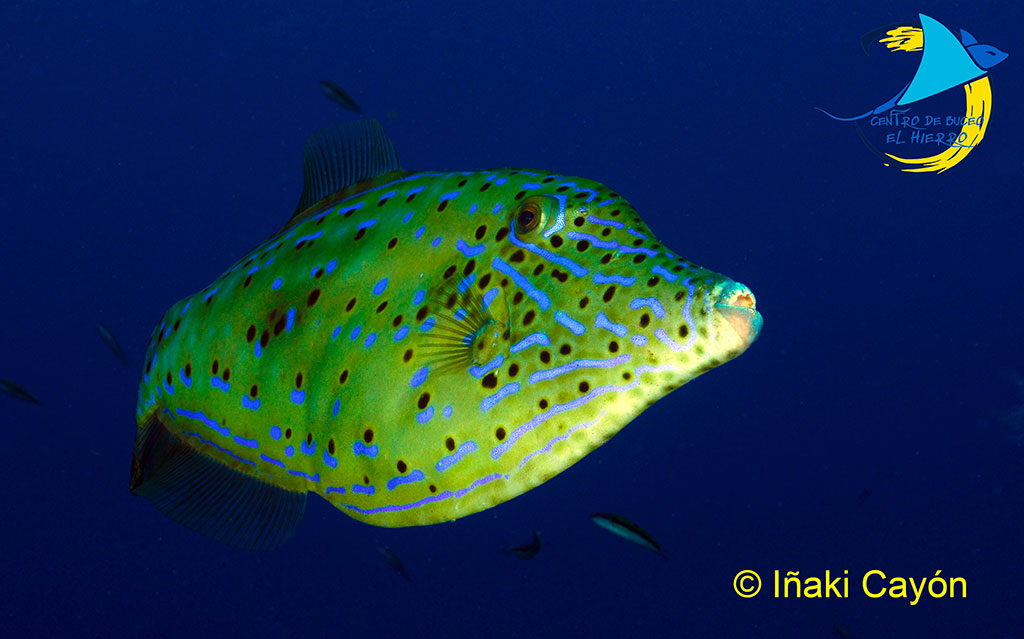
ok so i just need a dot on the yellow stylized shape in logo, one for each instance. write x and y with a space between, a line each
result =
904 39
979 104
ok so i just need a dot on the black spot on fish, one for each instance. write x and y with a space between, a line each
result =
680 295
639 258
578 221
502 234
653 281
607 257
627 376
582 245
407 355
520 195
539 269
279 326
513 370
254 391
559 275
397 321
565 349
517 257
264 339
528 318
168 378
637 242
188 369
247 282
615 213
481 231
499 433
368 435
545 356
484 281
319 272
177 323
469 267
645 319
542 404
584 387
490 380
613 346
462 183
298 380
330 446
215 367
250 334
609 293
557 241
580 195
401 466
443 205
448 272
684 330
561 189
288 433
485 186
392 243
584 301
517 298
381 307
423 401
359 234
449 444
226 375
343 377
422 313
314 295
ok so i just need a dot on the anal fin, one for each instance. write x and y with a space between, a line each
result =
209 497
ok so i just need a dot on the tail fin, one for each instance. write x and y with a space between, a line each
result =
209 497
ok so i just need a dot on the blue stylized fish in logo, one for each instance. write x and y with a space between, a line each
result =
946 62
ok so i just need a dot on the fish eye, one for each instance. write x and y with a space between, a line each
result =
528 216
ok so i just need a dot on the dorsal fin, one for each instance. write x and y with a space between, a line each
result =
341 156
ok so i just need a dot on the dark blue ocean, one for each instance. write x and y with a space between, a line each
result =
876 425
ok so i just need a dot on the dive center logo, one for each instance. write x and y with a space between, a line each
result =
924 117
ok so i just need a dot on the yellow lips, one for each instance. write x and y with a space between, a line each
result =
737 322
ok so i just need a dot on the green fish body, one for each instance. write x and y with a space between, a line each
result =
418 347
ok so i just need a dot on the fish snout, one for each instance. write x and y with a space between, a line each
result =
736 321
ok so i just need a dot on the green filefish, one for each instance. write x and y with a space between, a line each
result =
626 529
108 337
339 96
416 347
14 391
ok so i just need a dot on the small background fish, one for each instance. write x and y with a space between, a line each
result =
339 96
15 391
108 337
528 550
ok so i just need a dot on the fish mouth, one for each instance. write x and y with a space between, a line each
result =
736 320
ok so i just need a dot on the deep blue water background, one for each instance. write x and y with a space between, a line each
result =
147 145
